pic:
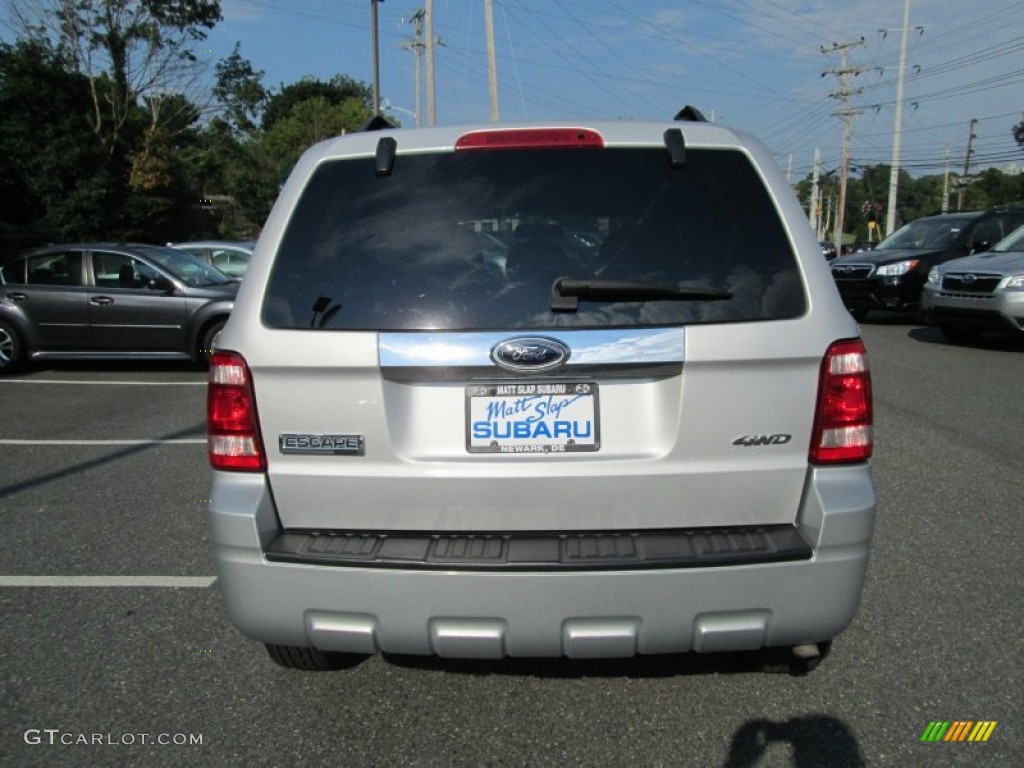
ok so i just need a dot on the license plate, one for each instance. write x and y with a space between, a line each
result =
548 417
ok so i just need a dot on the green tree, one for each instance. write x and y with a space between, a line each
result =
248 161
309 122
54 180
992 187
267 159
240 93
132 62
335 91
127 50
164 203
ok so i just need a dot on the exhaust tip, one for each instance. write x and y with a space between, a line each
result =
807 651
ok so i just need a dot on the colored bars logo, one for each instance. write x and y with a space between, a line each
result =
958 730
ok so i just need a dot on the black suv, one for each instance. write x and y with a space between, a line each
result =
892 275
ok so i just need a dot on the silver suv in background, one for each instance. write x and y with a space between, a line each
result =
983 292
633 418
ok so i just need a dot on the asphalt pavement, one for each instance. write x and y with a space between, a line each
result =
117 651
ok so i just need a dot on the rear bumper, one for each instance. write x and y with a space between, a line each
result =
473 613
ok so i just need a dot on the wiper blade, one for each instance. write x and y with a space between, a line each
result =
567 292
323 312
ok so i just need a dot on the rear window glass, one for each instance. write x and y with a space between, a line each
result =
55 269
474 240
932 233
13 272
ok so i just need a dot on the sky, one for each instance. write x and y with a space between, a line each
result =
753 64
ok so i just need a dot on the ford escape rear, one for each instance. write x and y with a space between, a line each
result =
583 391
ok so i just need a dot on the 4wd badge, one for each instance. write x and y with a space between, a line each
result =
755 441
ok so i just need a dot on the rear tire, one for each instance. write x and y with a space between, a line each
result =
209 336
859 313
311 659
11 350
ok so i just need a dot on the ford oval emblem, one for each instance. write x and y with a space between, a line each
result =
530 353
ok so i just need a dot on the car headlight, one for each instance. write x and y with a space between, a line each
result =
1015 283
899 268
934 276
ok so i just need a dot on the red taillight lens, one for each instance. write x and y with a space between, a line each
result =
231 425
843 420
531 138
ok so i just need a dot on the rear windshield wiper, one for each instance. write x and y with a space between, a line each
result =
567 292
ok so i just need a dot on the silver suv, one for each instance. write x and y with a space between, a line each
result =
539 390
982 292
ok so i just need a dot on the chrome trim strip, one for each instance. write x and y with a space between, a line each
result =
620 346
419 374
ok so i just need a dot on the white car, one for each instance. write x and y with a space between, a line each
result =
656 444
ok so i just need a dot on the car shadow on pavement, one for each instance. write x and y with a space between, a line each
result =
883 317
777 660
993 341
929 334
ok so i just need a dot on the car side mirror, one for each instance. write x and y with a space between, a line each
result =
159 283
980 246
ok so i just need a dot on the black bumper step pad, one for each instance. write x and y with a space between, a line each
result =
547 551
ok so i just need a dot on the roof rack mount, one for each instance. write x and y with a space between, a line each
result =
690 114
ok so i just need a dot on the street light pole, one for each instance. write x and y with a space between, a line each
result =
492 69
376 56
894 170
428 17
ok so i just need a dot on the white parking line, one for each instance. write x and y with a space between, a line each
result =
188 582
177 441
100 381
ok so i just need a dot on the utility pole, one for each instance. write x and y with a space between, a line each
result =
814 212
845 92
376 55
945 185
828 215
431 101
967 165
492 69
416 45
894 171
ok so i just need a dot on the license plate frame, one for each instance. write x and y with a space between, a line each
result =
560 417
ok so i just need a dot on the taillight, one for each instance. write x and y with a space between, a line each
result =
843 419
232 428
